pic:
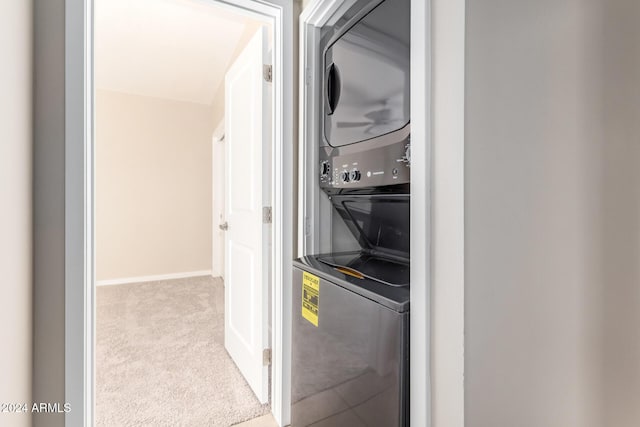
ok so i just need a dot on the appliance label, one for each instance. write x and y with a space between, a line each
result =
310 297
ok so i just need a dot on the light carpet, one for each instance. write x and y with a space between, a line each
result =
160 357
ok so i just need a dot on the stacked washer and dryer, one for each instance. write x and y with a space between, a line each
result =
350 332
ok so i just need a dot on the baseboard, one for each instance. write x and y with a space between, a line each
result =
138 279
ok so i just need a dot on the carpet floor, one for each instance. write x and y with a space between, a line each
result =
160 357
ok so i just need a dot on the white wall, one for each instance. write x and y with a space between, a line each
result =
552 199
16 38
153 186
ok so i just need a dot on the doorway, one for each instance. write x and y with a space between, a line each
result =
79 233
167 327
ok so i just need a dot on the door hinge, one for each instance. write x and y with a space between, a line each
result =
267 72
266 357
266 215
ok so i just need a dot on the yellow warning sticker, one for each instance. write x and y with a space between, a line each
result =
310 297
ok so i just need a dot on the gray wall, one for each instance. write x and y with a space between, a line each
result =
552 299
48 227
16 19
620 209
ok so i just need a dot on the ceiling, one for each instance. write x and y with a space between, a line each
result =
172 49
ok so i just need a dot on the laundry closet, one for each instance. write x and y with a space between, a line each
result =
350 296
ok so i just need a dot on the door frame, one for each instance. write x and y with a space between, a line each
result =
79 204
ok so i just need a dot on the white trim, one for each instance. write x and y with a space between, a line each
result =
421 193
154 278
79 261
79 182
282 230
319 12
313 206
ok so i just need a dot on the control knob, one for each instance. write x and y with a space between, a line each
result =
354 175
344 176
325 168
407 155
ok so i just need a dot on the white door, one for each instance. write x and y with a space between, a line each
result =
247 191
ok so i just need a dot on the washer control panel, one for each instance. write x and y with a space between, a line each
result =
386 165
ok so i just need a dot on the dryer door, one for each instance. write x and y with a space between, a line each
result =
367 76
